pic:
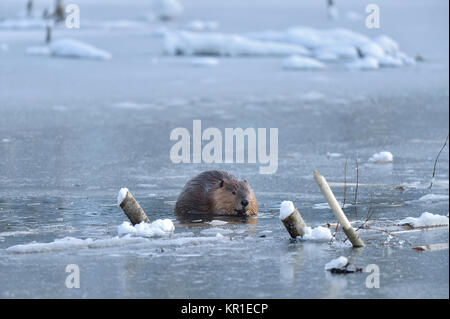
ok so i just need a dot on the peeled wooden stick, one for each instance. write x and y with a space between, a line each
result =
291 219
337 210
131 207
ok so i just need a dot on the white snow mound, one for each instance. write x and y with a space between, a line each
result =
381 158
220 44
70 243
121 195
426 219
71 48
318 234
160 227
286 209
338 263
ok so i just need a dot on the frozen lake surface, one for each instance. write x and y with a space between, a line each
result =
73 132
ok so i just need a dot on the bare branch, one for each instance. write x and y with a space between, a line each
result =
435 163
356 189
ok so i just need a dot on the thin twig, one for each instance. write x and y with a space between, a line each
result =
387 232
368 216
345 185
435 163
356 189
369 213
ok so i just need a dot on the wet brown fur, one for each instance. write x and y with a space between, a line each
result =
216 192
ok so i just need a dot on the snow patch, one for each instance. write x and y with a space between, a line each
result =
286 209
426 219
192 43
217 223
334 154
160 227
388 44
338 263
69 243
121 195
318 233
382 158
71 48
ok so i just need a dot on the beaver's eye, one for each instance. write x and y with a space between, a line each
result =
233 192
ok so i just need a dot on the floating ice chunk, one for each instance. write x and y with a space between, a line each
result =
340 43
6 140
167 9
338 263
70 243
426 219
71 48
388 44
319 233
364 64
302 63
217 223
160 227
382 158
197 25
205 62
192 43
286 209
341 244
434 198
333 154
58 244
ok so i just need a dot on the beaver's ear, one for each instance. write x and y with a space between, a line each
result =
245 181
221 183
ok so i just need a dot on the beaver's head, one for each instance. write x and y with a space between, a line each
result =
234 197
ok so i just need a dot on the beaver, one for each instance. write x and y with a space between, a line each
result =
219 193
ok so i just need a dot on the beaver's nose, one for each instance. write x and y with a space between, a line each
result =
244 203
